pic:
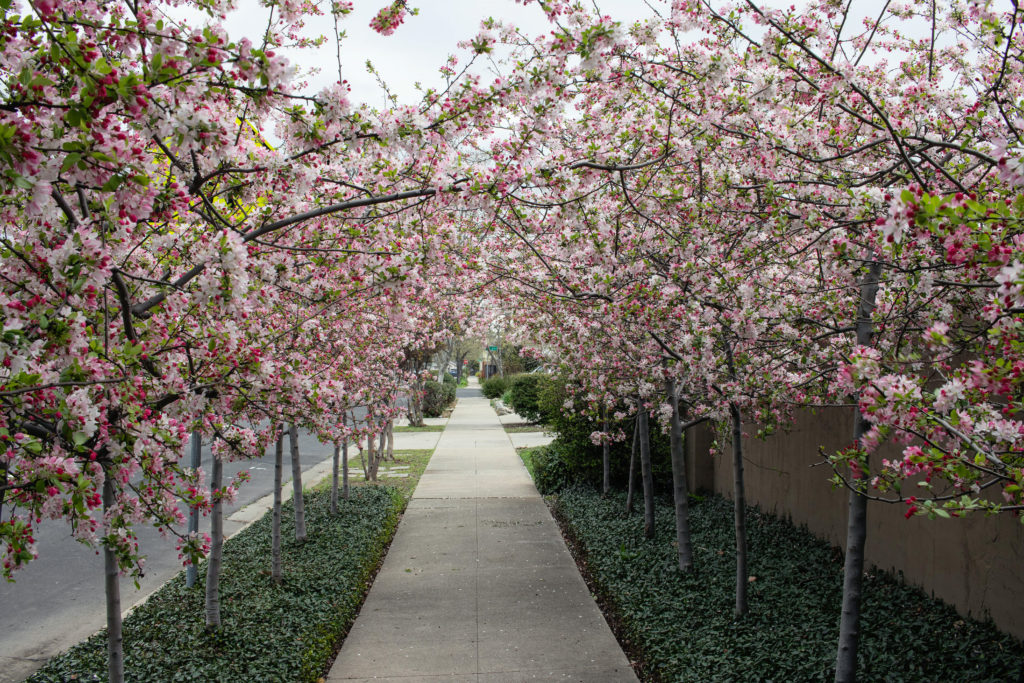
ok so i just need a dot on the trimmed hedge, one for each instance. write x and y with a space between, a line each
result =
580 457
683 629
437 396
524 395
281 633
494 387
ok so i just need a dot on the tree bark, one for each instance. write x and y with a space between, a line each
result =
275 533
344 464
646 474
334 478
680 489
299 503
856 525
631 486
391 440
416 399
216 548
371 458
196 448
115 640
739 510
606 463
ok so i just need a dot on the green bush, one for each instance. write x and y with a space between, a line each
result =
437 396
551 473
524 395
494 387
270 633
581 456
448 378
683 628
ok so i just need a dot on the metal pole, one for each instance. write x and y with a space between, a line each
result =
193 517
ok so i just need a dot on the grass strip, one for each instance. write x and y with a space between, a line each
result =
284 633
683 629
415 460
404 429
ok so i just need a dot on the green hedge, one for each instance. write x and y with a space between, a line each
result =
494 387
524 395
281 633
437 396
683 627
580 457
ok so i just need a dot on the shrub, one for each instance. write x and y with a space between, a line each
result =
270 633
436 397
448 378
682 626
524 395
551 473
494 387
581 456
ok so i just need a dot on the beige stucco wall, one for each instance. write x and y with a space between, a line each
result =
975 564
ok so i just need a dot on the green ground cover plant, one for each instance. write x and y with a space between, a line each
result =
683 629
283 633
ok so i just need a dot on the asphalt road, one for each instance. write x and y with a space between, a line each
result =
58 600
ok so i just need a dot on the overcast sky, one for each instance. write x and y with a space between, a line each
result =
418 48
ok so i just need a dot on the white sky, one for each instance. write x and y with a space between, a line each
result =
421 45
418 48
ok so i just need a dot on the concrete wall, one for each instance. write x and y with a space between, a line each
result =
975 564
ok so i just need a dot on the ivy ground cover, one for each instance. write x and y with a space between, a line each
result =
270 633
682 626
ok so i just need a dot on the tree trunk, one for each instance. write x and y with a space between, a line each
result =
856 525
371 458
416 400
216 547
275 533
739 510
382 444
115 641
606 460
680 490
631 486
645 473
344 464
391 440
334 478
299 503
196 448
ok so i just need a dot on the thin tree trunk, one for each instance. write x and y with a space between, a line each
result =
299 503
275 533
371 458
391 439
606 460
344 464
115 641
216 547
334 478
645 473
196 448
631 486
680 490
739 510
382 444
856 529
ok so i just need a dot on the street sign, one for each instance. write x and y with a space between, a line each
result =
492 348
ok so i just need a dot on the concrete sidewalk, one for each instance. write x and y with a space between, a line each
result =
478 585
